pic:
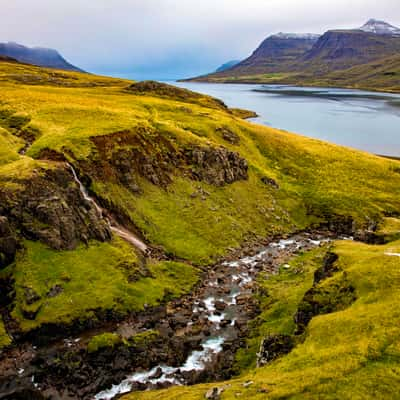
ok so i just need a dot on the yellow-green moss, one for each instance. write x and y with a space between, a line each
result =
102 341
349 354
92 279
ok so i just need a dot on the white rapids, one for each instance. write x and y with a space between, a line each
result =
221 308
195 362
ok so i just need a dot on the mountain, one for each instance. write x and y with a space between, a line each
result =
227 65
120 202
296 59
341 49
275 51
380 28
40 56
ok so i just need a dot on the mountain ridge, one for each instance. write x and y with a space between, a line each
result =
40 56
281 59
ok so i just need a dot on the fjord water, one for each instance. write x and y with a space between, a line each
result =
363 120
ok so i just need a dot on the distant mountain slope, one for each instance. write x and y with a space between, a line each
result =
275 51
341 49
42 57
227 65
312 59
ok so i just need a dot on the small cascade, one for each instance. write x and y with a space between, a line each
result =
116 228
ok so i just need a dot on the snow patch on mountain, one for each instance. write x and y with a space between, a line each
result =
380 28
282 35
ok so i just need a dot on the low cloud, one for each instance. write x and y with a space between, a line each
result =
173 38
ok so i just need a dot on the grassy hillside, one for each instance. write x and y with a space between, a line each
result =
181 170
352 353
382 75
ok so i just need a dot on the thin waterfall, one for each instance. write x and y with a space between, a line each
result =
114 226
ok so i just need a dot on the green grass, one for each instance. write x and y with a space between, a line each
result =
102 341
279 296
381 75
189 219
353 353
389 228
92 279
197 228
5 340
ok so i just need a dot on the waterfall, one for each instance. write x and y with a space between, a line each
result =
114 226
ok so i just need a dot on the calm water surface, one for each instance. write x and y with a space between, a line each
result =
364 120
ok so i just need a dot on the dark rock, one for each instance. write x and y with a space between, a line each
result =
8 243
220 305
338 295
31 296
270 182
216 166
31 313
214 393
273 347
228 135
327 269
52 209
55 291
157 374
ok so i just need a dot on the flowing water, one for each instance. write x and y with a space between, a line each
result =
114 226
364 120
223 301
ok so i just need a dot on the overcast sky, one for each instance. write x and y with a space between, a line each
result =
173 38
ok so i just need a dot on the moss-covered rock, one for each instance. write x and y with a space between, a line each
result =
105 340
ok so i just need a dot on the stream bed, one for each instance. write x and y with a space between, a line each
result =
218 313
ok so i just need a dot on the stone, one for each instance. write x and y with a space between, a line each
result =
214 393
228 135
269 181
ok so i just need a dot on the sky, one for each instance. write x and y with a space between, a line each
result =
169 39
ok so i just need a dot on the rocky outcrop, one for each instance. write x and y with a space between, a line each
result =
148 154
326 298
8 243
51 208
217 166
272 347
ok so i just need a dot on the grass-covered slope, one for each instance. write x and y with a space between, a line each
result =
352 353
381 75
181 170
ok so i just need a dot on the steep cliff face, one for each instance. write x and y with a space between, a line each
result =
48 207
148 155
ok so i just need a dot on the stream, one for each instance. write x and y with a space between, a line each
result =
197 335
113 225
221 307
